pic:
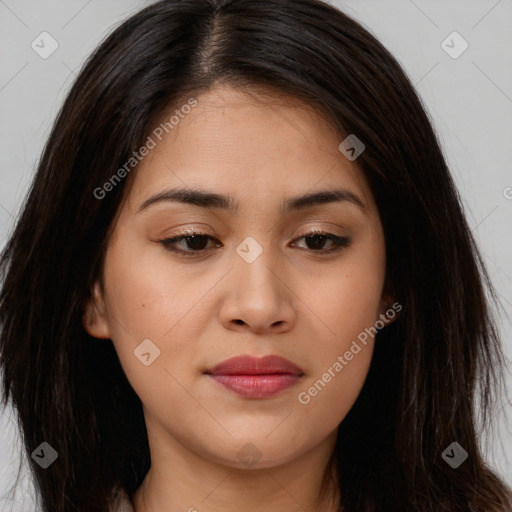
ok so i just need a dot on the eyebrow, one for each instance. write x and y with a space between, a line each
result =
206 199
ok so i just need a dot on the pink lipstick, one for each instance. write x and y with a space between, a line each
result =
256 377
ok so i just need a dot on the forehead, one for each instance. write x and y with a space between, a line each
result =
247 145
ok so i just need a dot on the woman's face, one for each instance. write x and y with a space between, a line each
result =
259 286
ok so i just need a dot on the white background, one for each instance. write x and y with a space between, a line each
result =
469 99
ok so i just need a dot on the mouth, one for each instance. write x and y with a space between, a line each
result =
256 377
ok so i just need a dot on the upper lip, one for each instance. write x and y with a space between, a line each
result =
249 365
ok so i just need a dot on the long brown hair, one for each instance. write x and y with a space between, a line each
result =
431 367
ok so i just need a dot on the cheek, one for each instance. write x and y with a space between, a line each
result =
327 396
148 300
148 293
149 305
347 311
346 301
340 357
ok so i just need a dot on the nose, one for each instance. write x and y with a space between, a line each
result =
258 297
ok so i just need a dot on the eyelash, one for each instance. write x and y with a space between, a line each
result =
340 242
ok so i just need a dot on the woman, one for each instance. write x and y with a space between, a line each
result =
243 279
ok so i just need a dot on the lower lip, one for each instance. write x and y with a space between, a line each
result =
257 386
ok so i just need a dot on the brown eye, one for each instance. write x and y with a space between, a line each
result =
195 243
317 240
191 242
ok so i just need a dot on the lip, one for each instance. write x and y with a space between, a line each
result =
256 377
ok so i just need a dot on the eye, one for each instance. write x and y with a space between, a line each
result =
317 239
195 242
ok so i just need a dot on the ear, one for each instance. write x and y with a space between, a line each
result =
389 309
95 319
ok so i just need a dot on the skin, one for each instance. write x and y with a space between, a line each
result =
202 310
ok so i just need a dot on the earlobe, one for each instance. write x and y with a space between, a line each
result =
95 319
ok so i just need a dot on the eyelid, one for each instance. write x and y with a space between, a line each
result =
340 241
